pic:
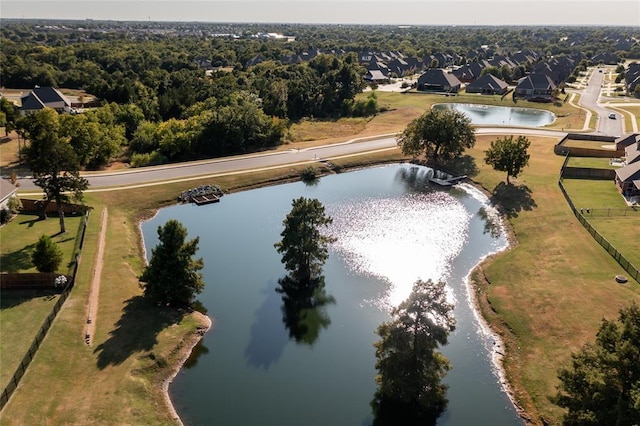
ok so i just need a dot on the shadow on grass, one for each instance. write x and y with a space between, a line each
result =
463 165
513 199
17 261
12 298
136 331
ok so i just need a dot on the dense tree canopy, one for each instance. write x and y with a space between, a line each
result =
439 134
508 155
410 369
173 276
602 385
304 247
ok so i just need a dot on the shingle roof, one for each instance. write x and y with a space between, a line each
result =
629 173
6 189
490 81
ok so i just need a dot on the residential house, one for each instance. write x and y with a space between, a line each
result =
7 192
438 80
44 97
557 68
606 58
628 177
488 84
632 78
468 73
535 87
376 77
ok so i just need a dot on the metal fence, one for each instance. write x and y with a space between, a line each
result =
44 328
582 215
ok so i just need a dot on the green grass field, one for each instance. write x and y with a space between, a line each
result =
20 236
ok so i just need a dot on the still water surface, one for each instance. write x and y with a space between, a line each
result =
393 227
499 115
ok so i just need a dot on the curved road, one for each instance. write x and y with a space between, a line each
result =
242 164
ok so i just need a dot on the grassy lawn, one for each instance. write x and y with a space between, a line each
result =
16 334
548 293
591 162
595 194
20 236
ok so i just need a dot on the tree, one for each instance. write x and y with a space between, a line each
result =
53 161
410 369
508 155
438 134
602 385
46 256
172 276
303 247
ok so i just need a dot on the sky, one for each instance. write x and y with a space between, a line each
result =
403 12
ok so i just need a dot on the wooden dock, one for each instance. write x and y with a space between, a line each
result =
205 199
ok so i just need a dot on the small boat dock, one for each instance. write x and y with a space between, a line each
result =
448 182
205 194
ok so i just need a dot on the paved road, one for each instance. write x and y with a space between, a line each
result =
240 164
591 99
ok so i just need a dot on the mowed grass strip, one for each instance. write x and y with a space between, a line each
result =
549 293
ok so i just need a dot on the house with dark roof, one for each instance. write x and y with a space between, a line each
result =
632 78
606 58
535 87
438 80
44 97
628 177
488 84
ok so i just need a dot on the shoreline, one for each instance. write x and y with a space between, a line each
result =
474 293
183 355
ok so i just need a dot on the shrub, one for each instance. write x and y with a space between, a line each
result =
47 256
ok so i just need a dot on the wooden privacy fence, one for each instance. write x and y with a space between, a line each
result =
44 328
35 280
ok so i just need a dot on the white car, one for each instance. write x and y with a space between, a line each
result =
612 115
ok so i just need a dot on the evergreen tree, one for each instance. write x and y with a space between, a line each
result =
303 247
410 369
46 256
172 276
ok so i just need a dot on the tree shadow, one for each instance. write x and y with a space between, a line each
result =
513 199
268 337
303 308
136 331
13 298
463 165
17 261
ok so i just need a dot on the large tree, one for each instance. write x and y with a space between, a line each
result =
439 134
602 385
53 161
410 369
304 247
508 155
173 276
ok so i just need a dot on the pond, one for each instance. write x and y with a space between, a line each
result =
254 367
502 116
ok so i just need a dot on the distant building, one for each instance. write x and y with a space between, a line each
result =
488 84
438 80
535 87
44 97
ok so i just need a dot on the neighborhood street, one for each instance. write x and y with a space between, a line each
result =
248 163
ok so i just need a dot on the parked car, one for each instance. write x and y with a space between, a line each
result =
612 115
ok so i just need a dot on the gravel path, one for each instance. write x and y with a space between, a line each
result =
94 292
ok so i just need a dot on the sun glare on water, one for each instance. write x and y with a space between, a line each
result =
401 240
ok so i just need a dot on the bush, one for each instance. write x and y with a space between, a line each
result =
4 216
47 256
147 159
309 174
